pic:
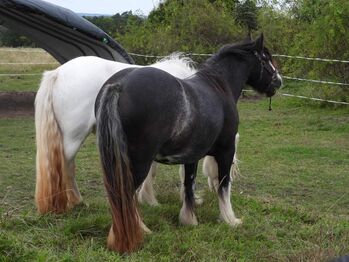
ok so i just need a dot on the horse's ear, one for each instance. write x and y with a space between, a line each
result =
260 43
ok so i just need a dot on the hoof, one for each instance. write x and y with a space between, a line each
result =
234 222
77 203
74 199
187 218
145 229
147 199
198 200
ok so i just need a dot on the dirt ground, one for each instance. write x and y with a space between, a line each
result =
16 104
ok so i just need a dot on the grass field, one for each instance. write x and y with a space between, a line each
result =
15 61
292 195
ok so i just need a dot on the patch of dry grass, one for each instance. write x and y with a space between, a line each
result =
29 63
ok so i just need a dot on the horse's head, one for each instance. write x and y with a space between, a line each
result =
264 76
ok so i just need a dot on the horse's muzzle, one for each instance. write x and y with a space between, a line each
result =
274 85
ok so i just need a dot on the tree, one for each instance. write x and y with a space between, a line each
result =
12 39
325 33
117 24
184 25
246 14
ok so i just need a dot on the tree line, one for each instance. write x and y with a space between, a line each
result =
315 28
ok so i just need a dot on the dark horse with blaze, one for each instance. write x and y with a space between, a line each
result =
146 114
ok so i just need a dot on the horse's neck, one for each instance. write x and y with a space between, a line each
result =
230 72
235 72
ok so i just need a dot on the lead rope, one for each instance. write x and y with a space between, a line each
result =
270 104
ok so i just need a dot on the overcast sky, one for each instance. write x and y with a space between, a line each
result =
107 6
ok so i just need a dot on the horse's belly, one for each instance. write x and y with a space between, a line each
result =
175 159
190 147
183 156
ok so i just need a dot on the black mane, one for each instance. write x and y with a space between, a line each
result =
212 74
239 49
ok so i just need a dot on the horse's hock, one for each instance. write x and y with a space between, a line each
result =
17 103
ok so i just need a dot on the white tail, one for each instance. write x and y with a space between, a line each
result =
51 167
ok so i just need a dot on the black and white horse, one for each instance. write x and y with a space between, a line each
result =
146 114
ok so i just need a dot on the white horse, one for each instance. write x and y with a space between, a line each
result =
64 117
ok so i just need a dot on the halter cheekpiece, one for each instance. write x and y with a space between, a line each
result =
267 68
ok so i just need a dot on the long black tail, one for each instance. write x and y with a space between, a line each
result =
125 234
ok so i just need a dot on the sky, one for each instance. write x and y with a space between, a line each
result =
107 6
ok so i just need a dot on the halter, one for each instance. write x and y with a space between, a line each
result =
269 69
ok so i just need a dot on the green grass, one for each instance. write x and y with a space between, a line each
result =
22 82
292 196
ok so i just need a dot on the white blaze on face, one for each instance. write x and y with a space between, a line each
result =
272 66
277 72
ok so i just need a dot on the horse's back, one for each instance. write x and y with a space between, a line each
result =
144 88
147 90
150 80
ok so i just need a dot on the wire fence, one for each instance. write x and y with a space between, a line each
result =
203 55
315 81
305 97
192 54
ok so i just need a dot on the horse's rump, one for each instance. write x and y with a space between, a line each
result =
156 107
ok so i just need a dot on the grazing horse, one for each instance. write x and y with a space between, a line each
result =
64 117
146 114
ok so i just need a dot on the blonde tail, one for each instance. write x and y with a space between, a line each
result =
51 167
125 235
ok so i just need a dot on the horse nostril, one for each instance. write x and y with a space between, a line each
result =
277 81
280 82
